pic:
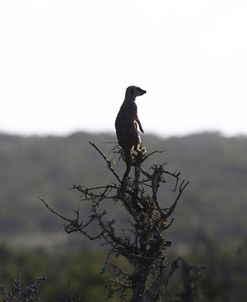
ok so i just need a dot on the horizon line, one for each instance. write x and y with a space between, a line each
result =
108 132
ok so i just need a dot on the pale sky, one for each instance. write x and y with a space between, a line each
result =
65 65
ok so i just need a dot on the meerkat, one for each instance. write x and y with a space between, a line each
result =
128 126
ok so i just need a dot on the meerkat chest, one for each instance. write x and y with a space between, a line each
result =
129 111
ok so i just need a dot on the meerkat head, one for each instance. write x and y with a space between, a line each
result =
132 92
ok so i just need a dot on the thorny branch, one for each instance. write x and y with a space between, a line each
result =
20 293
142 241
17 292
109 162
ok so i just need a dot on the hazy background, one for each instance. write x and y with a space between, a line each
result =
64 65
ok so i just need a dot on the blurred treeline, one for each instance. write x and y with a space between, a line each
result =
210 224
214 203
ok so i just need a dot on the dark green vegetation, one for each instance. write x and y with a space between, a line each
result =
78 269
224 279
214 204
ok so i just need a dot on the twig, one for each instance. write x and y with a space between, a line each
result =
107 160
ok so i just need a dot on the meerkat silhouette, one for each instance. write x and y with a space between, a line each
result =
128 125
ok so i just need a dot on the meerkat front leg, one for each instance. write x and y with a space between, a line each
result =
139 124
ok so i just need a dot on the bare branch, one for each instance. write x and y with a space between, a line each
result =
53 211
182 186
109 162
144 244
